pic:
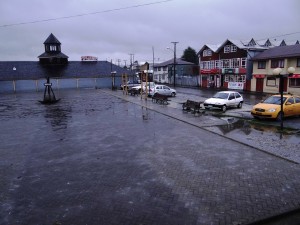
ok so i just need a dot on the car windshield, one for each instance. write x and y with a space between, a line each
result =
221 95
274 100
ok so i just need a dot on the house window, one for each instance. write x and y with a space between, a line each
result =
226 63
165 68
207 53
227 49
233 48
236 63
275 63
235 78
298 62
217 64
271 81
243 62
261 65
294 82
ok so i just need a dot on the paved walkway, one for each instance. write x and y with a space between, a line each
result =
94 158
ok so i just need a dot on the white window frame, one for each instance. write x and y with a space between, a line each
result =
217 64
233 48
243 62
227 49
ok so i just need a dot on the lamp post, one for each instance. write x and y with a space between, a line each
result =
174 66
113 74
277 72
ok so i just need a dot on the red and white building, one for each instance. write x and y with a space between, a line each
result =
229 64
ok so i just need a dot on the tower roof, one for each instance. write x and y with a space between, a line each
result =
52 40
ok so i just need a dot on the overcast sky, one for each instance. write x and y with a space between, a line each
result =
111 30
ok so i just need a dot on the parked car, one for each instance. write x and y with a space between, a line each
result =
129 84
271 107
224 100
163 90
149 86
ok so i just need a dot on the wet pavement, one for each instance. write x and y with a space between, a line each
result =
101 157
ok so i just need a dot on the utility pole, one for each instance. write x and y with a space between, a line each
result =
131 62
174 69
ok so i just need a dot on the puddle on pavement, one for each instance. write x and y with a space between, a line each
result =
239 127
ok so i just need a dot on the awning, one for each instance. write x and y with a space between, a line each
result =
209 71
259 75
294 76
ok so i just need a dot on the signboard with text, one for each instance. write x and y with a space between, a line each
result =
236 85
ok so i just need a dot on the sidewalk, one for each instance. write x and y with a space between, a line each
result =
258 135
98 157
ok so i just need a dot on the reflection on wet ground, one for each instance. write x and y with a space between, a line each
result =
249 126
267 138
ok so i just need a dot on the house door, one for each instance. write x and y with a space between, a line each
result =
260 84
285 81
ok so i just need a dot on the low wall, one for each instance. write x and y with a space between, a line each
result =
57 83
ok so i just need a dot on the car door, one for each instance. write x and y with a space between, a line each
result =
238 98
297 105
231 99
158 89
290 107
167 90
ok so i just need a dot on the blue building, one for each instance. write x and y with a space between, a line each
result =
30 75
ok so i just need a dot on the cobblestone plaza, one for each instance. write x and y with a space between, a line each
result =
94 158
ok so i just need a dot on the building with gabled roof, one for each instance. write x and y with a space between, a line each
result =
163 72
230 65
264 64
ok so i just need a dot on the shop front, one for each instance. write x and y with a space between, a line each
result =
210 78
234 78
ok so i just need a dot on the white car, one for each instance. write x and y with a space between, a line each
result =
163 90
224 100
149 86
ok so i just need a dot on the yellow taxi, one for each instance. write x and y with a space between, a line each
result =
271 107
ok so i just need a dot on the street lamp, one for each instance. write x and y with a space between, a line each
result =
174 68
113 75
277 72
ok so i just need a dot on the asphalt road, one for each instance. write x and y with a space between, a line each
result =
101 157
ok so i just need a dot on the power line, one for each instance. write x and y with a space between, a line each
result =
84 14
282 35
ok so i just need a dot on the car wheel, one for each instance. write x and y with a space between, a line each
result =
240 105
206 108
173 94
278 118
224 108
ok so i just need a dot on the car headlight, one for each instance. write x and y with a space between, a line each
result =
272 110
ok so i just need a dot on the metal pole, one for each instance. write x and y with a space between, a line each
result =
174 69
281 102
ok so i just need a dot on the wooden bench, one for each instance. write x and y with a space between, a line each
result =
133 92
159 98
191 105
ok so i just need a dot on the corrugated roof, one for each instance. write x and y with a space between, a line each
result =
179 61
27 70
53 55
279 52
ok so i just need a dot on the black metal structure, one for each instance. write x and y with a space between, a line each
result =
49 96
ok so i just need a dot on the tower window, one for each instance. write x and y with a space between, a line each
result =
52 47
